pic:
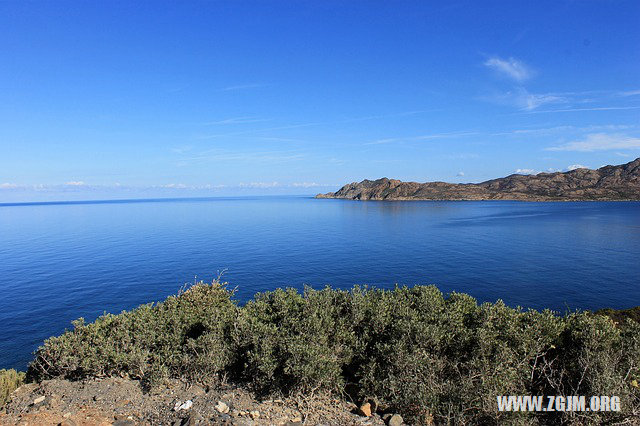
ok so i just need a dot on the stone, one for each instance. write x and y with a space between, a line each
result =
365 409
221 407
38 400
182 406
125 422
68 422
194 419
254 414
243 422
395 420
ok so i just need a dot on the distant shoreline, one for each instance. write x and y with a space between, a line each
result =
608 183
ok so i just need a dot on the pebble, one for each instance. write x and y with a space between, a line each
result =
365 409
254 414
396 420
125 422
182 406
221 407
38 400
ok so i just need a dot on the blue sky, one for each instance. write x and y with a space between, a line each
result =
145 99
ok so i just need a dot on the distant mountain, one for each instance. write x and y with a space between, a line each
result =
606 183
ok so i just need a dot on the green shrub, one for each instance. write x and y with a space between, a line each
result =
290 341
412 350
10 380
185 336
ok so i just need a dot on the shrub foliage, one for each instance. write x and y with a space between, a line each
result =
10 380
414 351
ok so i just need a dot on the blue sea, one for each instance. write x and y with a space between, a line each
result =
61 261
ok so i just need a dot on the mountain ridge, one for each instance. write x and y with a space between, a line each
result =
608 183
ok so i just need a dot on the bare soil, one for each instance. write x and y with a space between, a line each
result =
116 401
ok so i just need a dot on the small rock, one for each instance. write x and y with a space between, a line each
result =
194 419
183 406
254 414
243 422
297 420
68 422
365 409
66 415
125 422
221 407
395 420
38 400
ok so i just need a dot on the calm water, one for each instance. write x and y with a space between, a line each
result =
60 262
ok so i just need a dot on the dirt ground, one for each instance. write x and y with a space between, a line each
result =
123 402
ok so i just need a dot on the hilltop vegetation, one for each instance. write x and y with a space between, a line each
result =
606 184
411 350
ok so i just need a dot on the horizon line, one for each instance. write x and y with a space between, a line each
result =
148 200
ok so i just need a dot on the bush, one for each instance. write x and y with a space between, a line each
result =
185 336
10 380
412 350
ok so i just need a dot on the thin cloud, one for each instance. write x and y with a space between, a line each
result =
75 183
174 186
629 93
422 137
236 120
317 123
511 68
216 155
599 142
526 101
584 109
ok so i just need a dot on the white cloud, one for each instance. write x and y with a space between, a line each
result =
630 93
460 174
259 185
236 120
7 185
599 142
587 109
422 137
526 172
511 68
522 99
307 184
75 183
174 186
576 166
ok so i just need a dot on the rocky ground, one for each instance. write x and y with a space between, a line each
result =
123 402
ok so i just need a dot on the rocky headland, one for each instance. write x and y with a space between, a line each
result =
608 183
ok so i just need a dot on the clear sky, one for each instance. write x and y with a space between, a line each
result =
127 99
